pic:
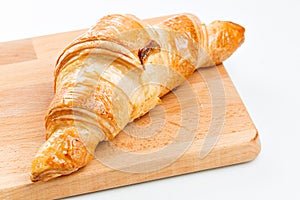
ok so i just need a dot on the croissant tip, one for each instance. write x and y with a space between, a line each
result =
63 153
49 174
43 171
34 178
235 26
225 37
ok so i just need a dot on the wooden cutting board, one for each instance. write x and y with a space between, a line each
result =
209 130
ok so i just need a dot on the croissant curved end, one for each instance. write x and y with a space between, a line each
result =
224 38
62 154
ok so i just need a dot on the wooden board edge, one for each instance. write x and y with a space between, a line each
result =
255 144
245 152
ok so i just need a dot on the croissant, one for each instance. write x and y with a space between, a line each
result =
103 81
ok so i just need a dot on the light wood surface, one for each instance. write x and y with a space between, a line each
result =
26 88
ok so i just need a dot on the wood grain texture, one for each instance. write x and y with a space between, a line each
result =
26 88
16 51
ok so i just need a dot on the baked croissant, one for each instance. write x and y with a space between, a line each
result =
104 80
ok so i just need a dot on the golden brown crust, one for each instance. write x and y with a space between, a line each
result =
104 79
108 28
63 154
224 39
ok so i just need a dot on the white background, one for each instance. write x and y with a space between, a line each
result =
265 70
